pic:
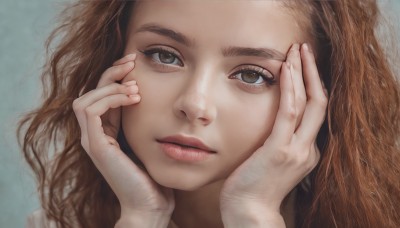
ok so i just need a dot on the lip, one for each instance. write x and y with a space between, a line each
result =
185 149
187 142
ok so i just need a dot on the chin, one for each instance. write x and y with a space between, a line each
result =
185 182
180 185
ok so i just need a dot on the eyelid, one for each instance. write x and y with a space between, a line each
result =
266 73
162 49
268 77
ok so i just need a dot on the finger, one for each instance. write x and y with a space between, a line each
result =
298 83
82 123
128 88
317 101
88 113
80 104
311 74
115 73
94 112
285 121
125 59
114 165
120 172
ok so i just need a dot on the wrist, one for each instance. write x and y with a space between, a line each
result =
143 219
252 216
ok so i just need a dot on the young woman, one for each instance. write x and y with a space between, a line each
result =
217 114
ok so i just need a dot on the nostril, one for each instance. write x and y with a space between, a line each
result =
183 113
204 120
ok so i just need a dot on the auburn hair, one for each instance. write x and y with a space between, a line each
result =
356 183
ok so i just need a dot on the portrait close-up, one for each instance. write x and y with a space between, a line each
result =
200 114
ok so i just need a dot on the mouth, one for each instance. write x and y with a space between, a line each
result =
182 148
186 142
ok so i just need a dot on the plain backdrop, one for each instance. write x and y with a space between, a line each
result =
24 27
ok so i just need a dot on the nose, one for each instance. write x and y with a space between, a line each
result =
195 103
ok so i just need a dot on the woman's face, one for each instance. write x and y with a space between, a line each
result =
207 71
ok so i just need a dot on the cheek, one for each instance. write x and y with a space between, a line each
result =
154 93
137 120
249 127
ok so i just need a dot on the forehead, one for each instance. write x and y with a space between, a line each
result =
244 23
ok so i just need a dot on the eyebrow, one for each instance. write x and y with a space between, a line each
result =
178 37
267 53
257 52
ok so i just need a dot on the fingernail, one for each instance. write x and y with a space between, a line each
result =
133 89
130 83
135 97
131 56
126 59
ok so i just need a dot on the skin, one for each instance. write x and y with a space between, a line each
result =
263 135
199 99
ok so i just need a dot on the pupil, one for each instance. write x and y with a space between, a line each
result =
166 57
250 77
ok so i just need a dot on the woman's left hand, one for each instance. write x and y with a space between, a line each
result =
253 193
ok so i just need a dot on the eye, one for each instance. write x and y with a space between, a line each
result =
254 76
250 77
162 56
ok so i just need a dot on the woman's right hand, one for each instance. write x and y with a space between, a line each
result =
143 202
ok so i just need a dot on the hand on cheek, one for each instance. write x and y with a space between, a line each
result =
98 114
289 153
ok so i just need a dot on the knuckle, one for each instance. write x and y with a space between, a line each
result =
89 111
114 70
282 156
291 113
76 105
85 144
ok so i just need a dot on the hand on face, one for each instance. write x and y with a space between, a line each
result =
98 113
290 152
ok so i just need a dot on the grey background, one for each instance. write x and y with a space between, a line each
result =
24 26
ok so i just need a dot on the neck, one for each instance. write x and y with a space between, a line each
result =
201 208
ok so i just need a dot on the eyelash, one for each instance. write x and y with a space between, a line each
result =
268 78
148 54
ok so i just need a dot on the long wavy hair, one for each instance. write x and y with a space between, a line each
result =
356 183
